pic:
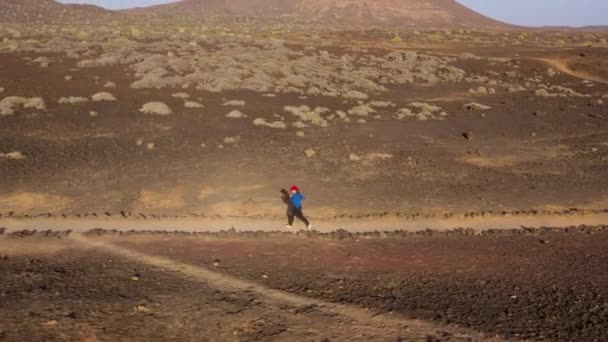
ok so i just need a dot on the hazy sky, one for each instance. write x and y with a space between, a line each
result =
523 12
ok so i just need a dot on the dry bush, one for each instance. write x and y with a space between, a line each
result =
481 90
9 105
240 65
193 105
232 140
103 96
405 113
157 108
355 95
275 124
15 155
361 110
109 84
557 91
382 104
235 103
423 111
306 114
182 96
73 100
235 114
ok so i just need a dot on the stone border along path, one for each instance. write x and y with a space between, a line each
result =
362 224
392 323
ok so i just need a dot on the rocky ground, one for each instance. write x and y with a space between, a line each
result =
523 284
122 124
216 120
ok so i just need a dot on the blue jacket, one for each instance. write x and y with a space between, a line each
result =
296 200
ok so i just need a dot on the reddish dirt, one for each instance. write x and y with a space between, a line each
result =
528 153
546 285
53 290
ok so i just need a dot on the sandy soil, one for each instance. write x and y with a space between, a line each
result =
535 284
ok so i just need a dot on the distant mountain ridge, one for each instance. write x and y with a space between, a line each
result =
405 12
398 12
29 11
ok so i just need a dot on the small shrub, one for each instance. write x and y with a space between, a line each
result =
193 105
182 96
235 103
355 95
73 100
157 108
9 105
231 140
361 110
103 96
235 114
276 124
15 155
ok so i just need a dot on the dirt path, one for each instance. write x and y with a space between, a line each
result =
562 66
391 323
479 221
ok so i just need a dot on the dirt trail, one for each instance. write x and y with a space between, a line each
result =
477 221
225 282
562 66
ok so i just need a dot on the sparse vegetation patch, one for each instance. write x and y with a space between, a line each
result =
157 108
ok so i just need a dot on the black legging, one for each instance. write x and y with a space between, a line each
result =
296 212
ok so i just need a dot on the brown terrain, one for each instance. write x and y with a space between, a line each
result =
142 153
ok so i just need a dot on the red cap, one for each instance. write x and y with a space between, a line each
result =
295 187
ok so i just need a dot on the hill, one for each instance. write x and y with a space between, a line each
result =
28 11
401 12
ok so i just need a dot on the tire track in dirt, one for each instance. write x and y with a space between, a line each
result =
391 323
562 66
